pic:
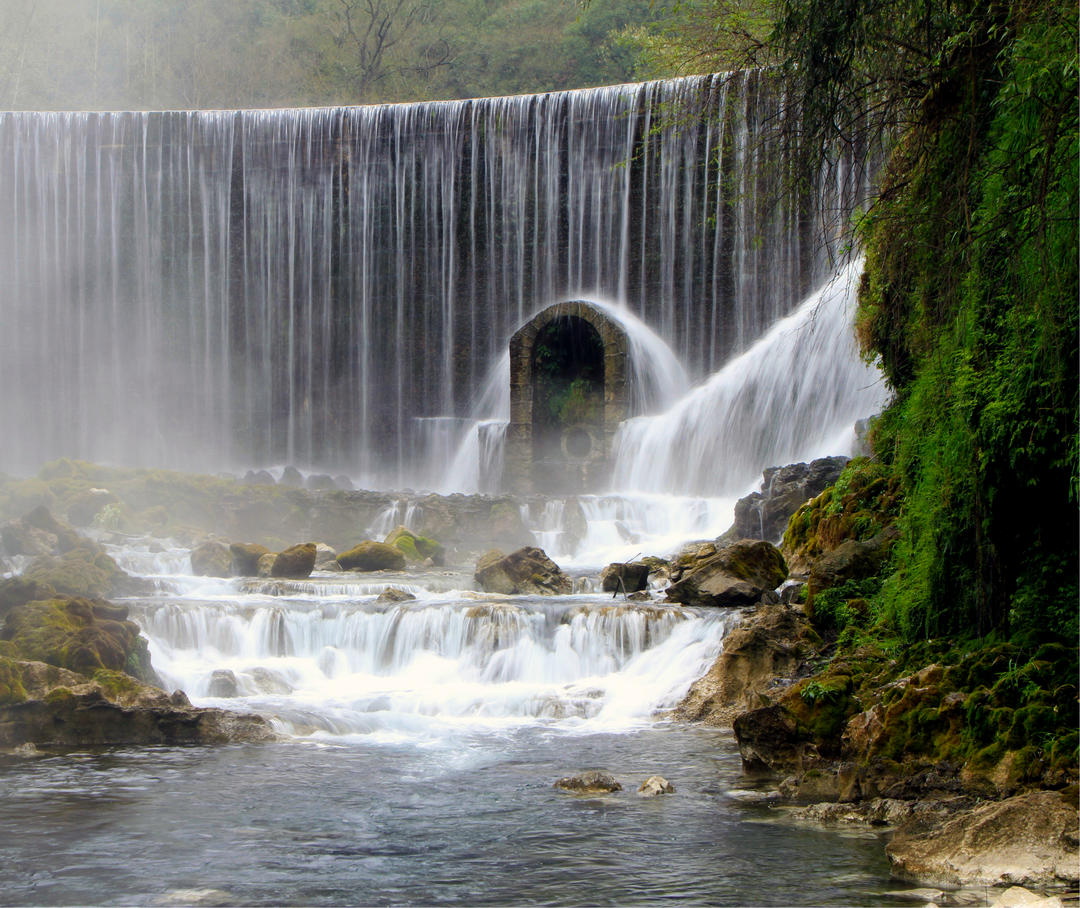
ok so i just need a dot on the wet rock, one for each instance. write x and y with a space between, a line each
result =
85 506
528 571
393 594
38 533
1027 840
770 742
655 785
20 589
736 575
1015 896
58 708
625 578
296 562
325 558
592 782
771 646
245 558
318 481
223 684
372 556
343 482
265 565
765 514
211 559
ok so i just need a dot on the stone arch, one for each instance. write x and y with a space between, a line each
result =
562 444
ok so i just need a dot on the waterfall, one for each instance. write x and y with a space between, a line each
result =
224 289
796 393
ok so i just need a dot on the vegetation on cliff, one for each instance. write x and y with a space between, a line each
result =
969 304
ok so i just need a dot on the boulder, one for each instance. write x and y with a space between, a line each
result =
851 560
325 558
1026 840
770 742
765 514
393 594
46 706
527 571
629 577
259 478
223 684
372 556
38 533
295 562
291 476
591 782
737 575
245 558
414 547
317 481
86 570
770 646
85 506
265 564
212 559
655 785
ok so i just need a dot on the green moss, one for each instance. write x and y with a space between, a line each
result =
59 695
116 685
11 685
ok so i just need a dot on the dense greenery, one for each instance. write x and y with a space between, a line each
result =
161 54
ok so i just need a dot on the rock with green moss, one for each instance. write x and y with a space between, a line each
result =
49 706
38 533
296 562
81 635
86 570
212 559
414 547
737 575
372 556
245 558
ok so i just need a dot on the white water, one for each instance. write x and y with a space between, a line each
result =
793 395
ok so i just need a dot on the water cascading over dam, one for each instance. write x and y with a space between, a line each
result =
330 287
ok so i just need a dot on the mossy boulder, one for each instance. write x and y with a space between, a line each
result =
38 533
527 571
372 556
49 706
629 577
295 562
414 547
737 575
82 635
245 558
86 570
212 559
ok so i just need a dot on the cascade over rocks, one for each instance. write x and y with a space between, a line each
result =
739 574
765 514
528 571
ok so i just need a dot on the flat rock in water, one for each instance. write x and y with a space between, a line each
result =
592 782
1029 839
737 575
